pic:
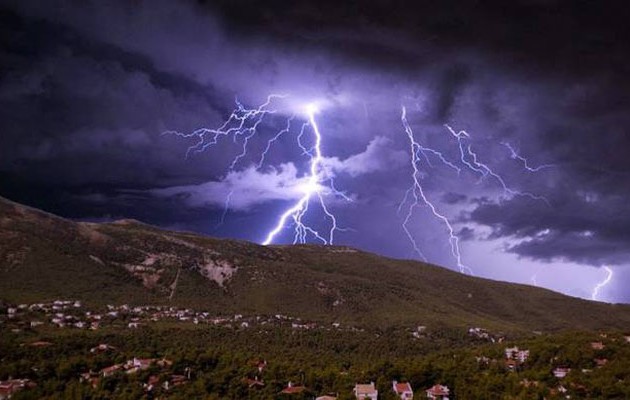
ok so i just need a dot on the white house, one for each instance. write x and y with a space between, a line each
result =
561 372
516 354
364 391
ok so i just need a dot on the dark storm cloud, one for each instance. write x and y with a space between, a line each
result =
583 129
581 227
77 112
561 35
449 86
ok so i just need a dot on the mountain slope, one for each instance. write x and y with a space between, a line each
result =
43 257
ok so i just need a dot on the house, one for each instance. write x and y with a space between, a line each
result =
438 392
141 363
111 370
293 389
90 377
365 391
10 387
516 354
522 355
510 352
419 331
137 364
177 380
561 372
101 348
597 345
403 390
480 333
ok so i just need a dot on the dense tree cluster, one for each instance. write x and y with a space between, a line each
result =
217 363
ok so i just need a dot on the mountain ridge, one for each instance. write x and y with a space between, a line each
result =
44 256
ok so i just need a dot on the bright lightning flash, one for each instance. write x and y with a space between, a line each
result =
311 188
600 285
243 125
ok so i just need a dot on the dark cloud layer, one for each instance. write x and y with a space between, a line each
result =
562 36
87 89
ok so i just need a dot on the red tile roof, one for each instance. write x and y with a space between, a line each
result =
403 387
364 388
438 390
293 389
112 368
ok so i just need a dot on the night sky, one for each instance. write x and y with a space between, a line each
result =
88 89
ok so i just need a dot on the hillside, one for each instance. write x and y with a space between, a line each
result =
43 257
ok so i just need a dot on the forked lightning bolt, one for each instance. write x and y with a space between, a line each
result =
419 197
311 188
469 160
242 122
600 285
242 125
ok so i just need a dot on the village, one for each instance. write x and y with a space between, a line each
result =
515 359
72 314
361 391
163 379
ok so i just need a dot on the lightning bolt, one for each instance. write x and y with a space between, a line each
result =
534 278
243 125
600 285
469 160
516 156
416 192
311 188
242 122
226 208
